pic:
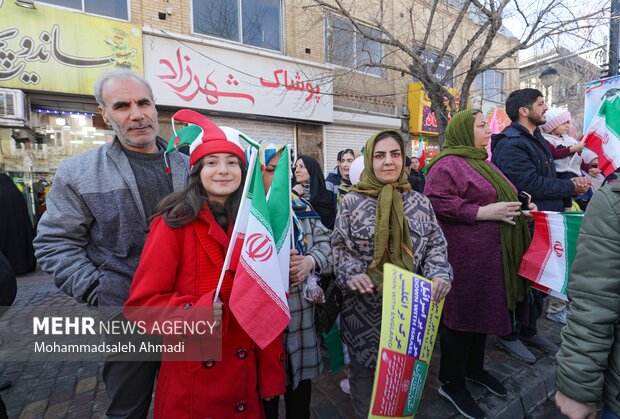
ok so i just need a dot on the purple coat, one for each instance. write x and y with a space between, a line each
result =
477 300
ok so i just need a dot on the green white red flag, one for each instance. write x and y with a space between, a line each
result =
603 135
421 154
548 260
261 238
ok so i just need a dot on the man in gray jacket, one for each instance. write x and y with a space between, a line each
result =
92 234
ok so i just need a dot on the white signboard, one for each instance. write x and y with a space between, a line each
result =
206 77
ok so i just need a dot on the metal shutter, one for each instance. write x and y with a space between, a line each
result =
339 137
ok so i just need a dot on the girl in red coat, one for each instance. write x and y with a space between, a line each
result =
180 267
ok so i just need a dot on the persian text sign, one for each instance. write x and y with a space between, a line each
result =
207 77
62 51
410 321
423 119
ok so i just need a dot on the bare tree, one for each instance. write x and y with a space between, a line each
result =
436 26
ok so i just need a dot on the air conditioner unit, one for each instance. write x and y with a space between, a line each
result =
14 109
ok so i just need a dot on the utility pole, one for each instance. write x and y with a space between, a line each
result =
614 33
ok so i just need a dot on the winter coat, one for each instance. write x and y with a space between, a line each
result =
304 360
333 179
477 300
92 233
168 276
417 180
589 359
16 231
8 284
526 161
353 251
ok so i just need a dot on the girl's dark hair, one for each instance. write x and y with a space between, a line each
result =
342 153
182 207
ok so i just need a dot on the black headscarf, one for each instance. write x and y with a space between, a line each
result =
16 231
322 200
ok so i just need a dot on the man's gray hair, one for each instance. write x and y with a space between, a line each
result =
119 73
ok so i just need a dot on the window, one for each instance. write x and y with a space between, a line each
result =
349 48
252 22
490 84
111 8
445 66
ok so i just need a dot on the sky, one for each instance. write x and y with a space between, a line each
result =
586 38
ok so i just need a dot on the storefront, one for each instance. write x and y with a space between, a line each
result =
423 121
267 96
351 130
52 58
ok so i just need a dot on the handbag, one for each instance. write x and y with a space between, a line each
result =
325 314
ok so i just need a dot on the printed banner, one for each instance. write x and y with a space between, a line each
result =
203 76
62 51
596 91
410 321
549 257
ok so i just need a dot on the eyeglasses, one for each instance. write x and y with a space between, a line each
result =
594 165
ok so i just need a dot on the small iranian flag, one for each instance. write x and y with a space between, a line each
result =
548 260
421 154
603 135
258 299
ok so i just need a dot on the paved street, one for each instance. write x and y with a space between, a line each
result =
74 390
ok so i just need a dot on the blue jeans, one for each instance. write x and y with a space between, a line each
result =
608 414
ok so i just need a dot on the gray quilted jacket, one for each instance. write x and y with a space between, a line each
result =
91 236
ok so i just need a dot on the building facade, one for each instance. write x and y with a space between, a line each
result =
278 70
575 70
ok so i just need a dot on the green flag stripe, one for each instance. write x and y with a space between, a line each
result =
572 223
280 200
259 202
611 112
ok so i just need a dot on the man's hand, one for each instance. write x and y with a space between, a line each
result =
574 409
299 189
441 287
582 184
361 283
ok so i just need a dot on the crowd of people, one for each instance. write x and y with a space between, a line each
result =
125 226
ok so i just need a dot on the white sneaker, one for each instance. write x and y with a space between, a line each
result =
557 317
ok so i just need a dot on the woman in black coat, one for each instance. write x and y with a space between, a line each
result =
16 231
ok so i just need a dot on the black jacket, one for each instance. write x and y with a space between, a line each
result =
526 161
417 181
8 284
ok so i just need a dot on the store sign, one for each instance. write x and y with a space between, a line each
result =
423 119
206 77
62 51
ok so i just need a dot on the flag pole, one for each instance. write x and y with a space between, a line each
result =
244 199
291 224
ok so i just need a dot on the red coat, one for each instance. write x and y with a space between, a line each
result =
167 276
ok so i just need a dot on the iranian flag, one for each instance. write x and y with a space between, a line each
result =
603 135
261 235
548 260
421 154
